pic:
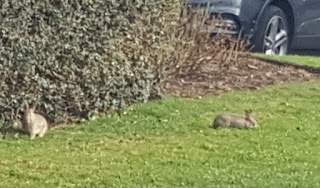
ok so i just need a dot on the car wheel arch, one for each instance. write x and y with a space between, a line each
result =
288 10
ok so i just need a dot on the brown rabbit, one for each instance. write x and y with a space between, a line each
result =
33 123
234 121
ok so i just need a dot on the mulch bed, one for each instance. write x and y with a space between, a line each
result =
247 73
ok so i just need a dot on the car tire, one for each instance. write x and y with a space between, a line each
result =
265 39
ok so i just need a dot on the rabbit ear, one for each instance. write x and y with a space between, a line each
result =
34 106
247 114
26 104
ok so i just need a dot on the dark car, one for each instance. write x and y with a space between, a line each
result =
273 26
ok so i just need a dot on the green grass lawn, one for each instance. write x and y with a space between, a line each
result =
303 60
167 143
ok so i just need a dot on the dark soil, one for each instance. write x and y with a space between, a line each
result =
247 73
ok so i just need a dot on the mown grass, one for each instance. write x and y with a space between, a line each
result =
168 143
298 59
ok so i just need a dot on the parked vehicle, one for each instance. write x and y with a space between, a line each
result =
273 26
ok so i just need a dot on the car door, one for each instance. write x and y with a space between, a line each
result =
307 33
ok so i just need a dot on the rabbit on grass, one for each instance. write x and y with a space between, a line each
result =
226 120
34 124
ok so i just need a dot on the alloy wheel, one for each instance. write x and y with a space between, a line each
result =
276 37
